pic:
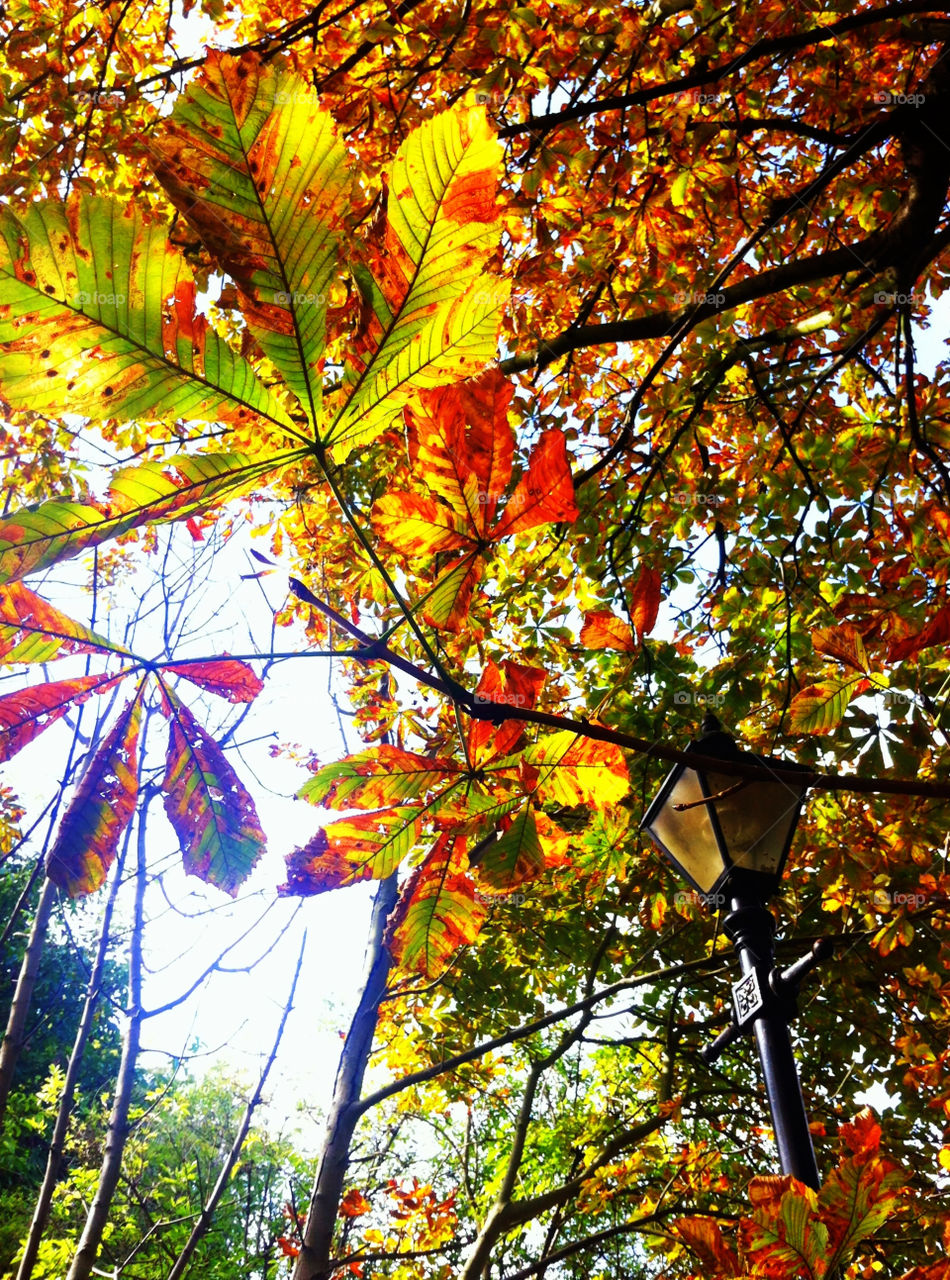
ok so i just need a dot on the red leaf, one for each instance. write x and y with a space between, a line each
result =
354 1204
645 601
32 630
462 444
604 630
845 643
104 802
937 631
545 493
25 714
227 677
510 684
437 911
367 846
211 812
288 1249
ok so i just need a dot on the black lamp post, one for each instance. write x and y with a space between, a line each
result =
729 837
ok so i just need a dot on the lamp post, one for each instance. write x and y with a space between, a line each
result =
730 837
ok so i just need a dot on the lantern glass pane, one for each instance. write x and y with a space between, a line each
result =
688 836
756 821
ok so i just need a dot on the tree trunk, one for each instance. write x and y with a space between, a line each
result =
87 1250
313 1262
20 1008
64 1111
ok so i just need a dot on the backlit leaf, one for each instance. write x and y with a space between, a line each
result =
88 837
645 600
604 630
98 318
26 713
515 856
153 492
227 677
376 779
820 708
367 846
545 493
212 814
255 166
437 911
843 642
574 770
32 630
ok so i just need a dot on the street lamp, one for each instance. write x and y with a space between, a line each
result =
729 836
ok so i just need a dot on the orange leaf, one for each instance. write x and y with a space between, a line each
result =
545 493
462 444
25 714
437 911
227 677
418 526
604 630
937 631
843 642
509 684
354 1204
88 837
704 1237
645 601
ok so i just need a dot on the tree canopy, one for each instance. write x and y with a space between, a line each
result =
573 369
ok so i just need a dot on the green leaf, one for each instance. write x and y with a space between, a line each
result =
210 810
255 166
437 911
820 708
515 856
88 837
32 630
152 492
431 313
99 319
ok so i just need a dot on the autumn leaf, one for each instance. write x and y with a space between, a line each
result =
88 838
354 1204
376 778
937 631
645 600
604 630
212 814
150 493
437 911
27 712
820 707
227 677
267 192
572 770
430 312
367 846
124 342
32 630
845 643
462 444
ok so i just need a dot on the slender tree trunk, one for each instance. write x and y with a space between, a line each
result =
64 1112
15 1034
224 1177
87 1250
313 1262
